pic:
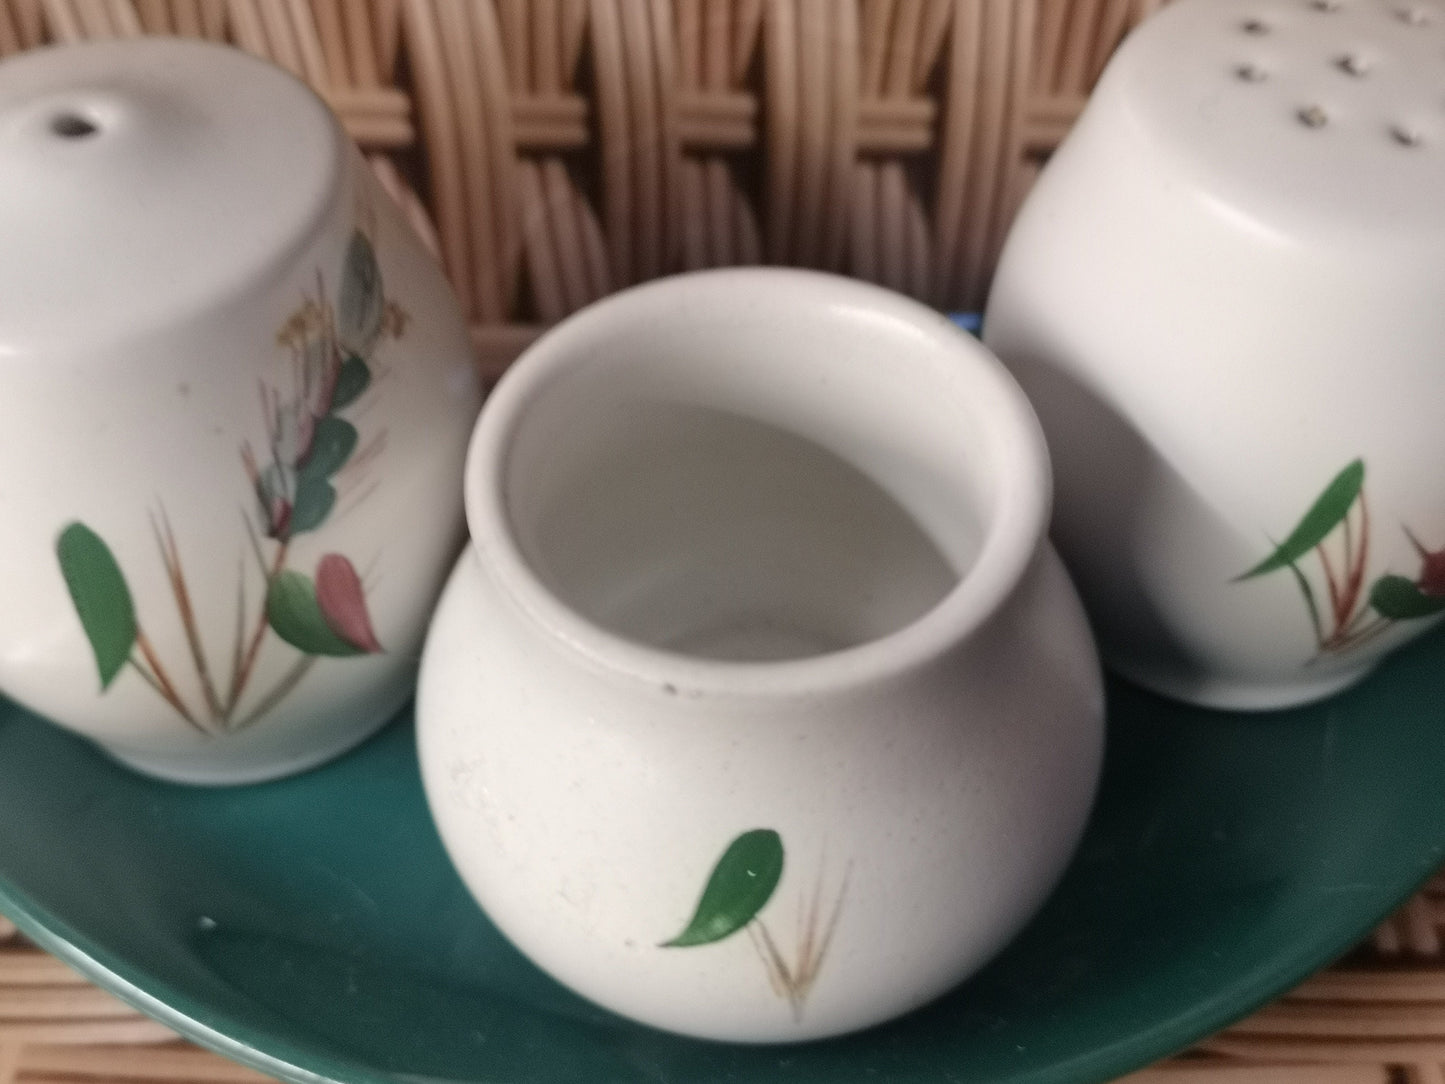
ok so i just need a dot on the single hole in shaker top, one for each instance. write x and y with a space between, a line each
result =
1414 16
1353 64
1405 136
1327 6
1251 73
1255 26
1312 116
72 126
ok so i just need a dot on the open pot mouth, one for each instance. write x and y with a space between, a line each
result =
757 480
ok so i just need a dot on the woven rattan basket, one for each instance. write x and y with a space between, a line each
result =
554 150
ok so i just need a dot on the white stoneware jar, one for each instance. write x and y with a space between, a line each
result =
234 404
760 708
1224 297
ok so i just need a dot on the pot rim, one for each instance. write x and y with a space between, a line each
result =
996 408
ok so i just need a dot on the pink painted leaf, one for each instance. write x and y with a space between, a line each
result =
343 603
1431 580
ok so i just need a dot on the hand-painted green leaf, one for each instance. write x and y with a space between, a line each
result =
272 485
360 305
331 446
1400 599
101 597
1323 517
353 379
294 615
314 500
741 883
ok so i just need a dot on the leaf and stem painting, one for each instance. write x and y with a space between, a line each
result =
312 450
741 884
1344 610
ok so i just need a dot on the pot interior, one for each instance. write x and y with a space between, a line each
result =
707 533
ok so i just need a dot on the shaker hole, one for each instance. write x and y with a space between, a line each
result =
1255 26
1312 116
72 126
1329 7
1250 73
1353 64
1413 16
1405 137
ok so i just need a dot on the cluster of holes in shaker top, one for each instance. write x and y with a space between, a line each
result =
1352 64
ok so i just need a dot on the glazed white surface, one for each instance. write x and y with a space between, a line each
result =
1217 297
929 780
126 412
199 180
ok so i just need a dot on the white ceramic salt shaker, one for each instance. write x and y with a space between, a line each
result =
760 708
1223 297
234 404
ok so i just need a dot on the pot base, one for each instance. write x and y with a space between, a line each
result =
201 770
1225 695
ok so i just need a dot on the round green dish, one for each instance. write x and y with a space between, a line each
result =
312 928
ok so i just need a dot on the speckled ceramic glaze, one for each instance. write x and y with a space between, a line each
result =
234 404
1223 297
760 708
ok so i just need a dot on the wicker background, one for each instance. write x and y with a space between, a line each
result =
559 149
554 150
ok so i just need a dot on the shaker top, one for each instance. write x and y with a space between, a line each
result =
144 181
1306 116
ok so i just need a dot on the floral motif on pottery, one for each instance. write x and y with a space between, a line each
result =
311 453
1335 531
740 886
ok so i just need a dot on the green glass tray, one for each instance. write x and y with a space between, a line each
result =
313 929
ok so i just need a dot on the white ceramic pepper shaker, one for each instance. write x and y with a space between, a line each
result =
1225 299
236 397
